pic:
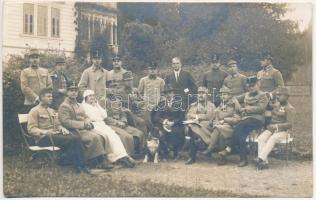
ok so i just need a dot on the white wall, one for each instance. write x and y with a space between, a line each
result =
14 41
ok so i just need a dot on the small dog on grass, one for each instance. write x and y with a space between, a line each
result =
152 145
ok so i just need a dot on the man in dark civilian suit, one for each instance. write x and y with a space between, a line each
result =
182 83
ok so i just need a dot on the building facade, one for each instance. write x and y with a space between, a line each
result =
51 26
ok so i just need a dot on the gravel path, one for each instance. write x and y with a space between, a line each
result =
281 180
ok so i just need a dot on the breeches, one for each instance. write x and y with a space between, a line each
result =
266 142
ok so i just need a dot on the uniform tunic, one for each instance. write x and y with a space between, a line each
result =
151 89
255 105
205 112
227 112
94 78
236 83
116 76
41 118
269 79
214 79
59 80
72 116
33 80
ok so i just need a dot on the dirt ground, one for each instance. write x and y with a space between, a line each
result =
294 179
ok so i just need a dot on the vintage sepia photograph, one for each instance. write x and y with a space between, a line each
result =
157 99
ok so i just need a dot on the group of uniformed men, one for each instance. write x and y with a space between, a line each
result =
217 116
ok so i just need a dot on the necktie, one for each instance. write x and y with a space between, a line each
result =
177 76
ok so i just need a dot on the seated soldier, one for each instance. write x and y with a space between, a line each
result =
98 114
226 116
282 120
168 118
123 90
252 118
201 115
43 124
72 116
118 117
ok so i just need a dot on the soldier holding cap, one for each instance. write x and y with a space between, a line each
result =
94 78
202 113
33 79
236 82
282 120
59 80
213 80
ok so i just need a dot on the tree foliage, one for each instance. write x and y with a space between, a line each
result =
195 31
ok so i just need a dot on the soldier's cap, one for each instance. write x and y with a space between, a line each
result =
45 91
59 60
282 90
231 62
202 89
87 93
152 65
167 89
96 53
215 58
128 75
252 80
33 52
225 89
72 84
116 58
267 55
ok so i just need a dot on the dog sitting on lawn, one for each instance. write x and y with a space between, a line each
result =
152 145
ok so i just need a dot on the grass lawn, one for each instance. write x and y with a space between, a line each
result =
36 180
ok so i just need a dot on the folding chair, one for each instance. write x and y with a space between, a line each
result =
29 142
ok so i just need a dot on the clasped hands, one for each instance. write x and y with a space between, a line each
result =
88 124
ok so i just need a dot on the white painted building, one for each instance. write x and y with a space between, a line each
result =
50 25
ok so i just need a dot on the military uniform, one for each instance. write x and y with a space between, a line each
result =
115 76
283 118
72 116
59 80
42 119
94 78
255 104
118 118
269 79
33 80
151 89
237 84
213 80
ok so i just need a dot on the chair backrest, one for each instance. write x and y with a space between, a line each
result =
28 139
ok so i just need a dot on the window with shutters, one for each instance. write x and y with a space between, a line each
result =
42 21
55 22
28 18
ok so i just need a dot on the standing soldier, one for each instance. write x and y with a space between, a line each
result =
269 79
236 82
94 78
213 80
59 80
116 74
150 88
33 80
